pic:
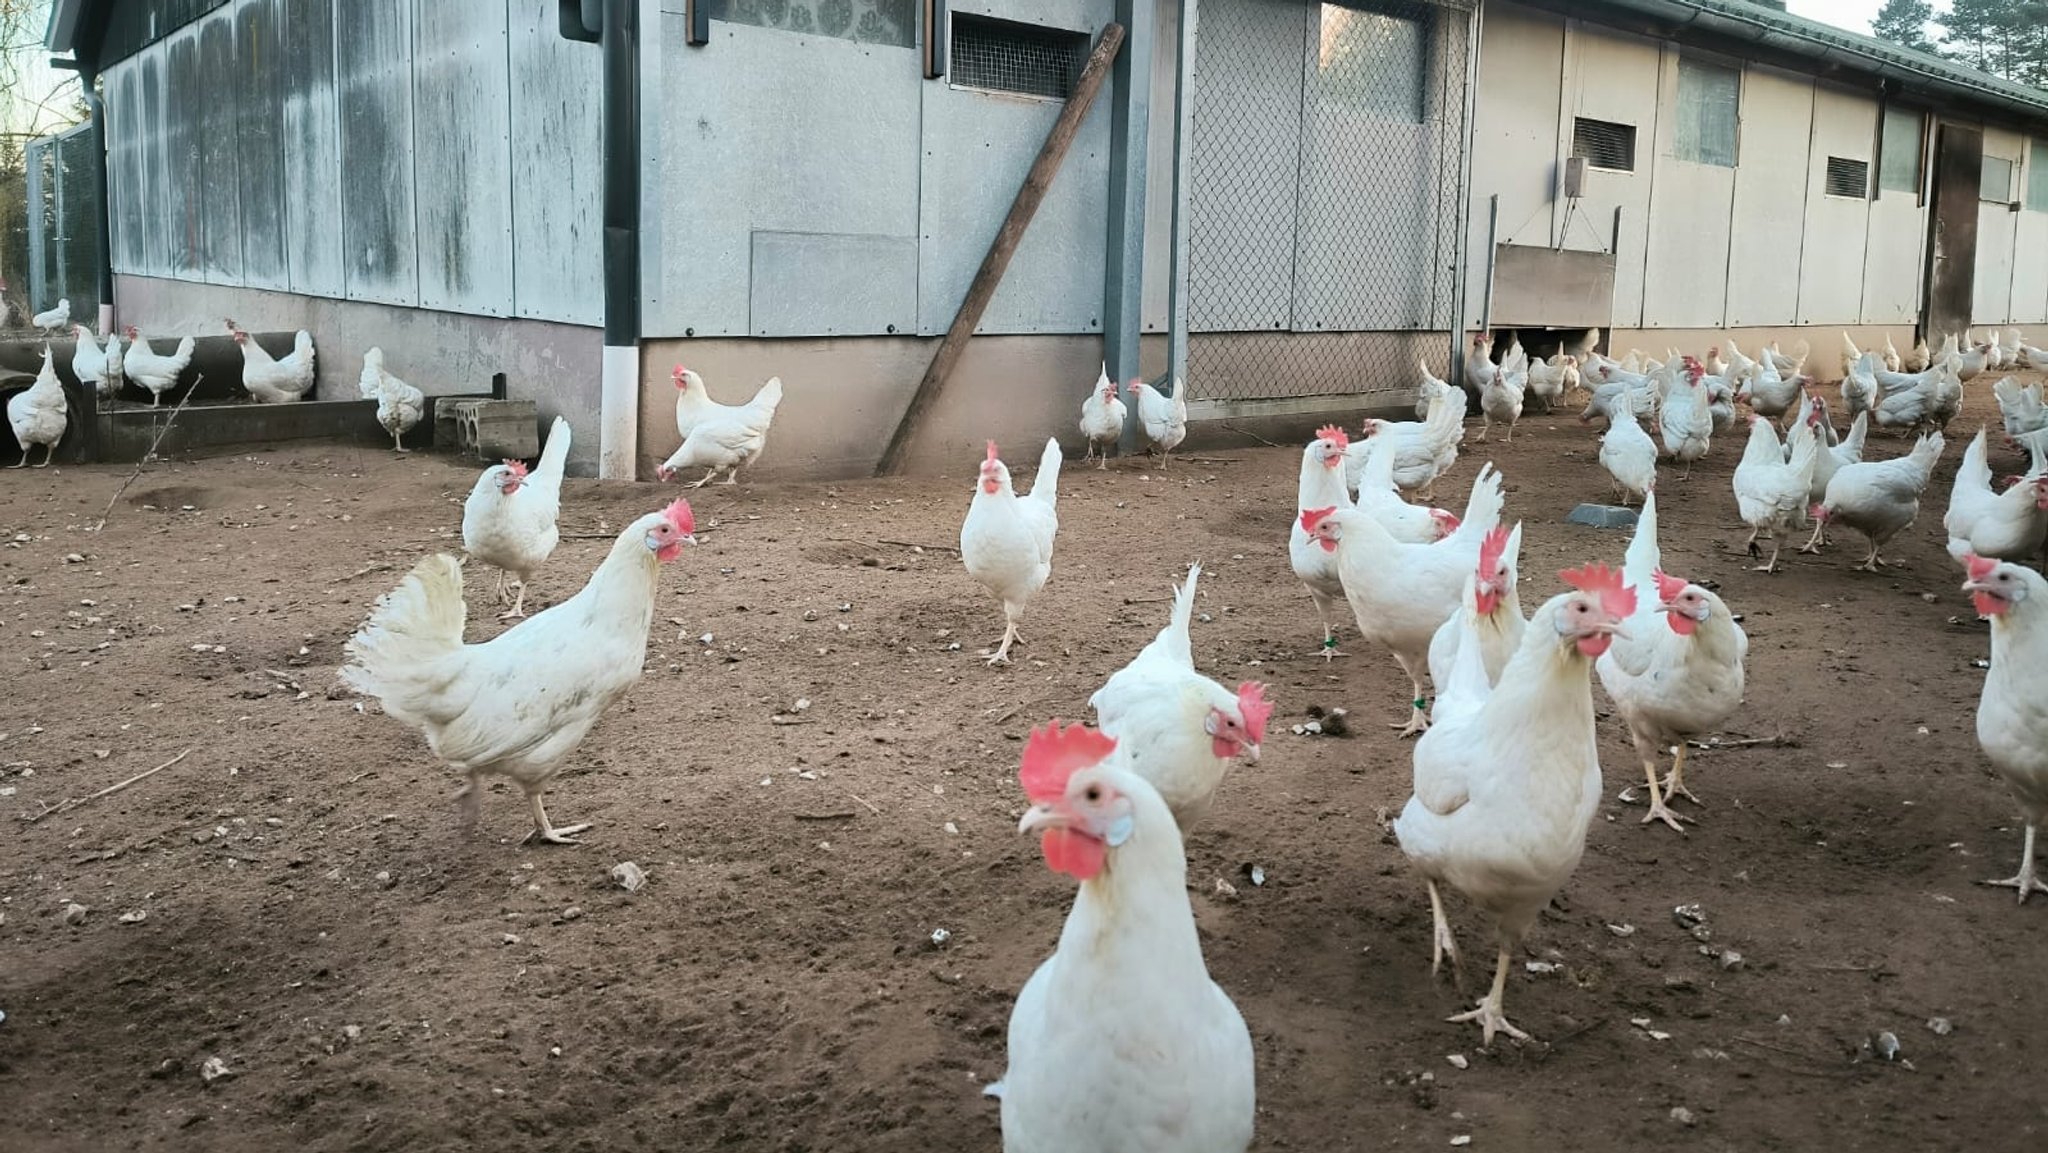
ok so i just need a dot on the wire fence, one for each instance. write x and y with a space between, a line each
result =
63 222
1326 170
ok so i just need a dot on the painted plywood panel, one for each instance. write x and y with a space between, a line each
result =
259 148
1832 260
2030 269
373 78
1616 78
125 156
556 167
185 97
153 128
220 188
780 132
1515 139
1244 157
1770 201
462 156
312 165
1893 260
1997 230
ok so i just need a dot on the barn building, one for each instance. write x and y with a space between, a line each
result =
1285 203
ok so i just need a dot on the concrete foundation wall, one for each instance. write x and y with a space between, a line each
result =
1824 362
554 365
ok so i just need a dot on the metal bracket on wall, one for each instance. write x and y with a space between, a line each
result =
696 23
934 39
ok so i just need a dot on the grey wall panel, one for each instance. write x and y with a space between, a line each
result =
832 284
220 191
123 160
556 169
775 131
373 75
153 124
312 159
1243 162
184 107
462 156
259 112
977 148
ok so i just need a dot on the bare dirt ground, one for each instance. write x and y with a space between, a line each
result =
375 980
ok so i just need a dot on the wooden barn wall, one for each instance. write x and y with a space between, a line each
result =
409 152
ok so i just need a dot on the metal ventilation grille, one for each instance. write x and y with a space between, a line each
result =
1024 59
1604 143
1850 178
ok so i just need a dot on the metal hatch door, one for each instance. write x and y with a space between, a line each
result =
1952 253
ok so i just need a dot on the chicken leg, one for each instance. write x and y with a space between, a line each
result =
1874 563
546 831
470 802
518 608
1418 718
1819 537
702 481
1329 632
1010 635
398 439
1771 565
1442 943
23 462
1658 812
2024 880
1674 783
1491 1013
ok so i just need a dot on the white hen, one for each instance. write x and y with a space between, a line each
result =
39 414
157 374
2009 525
1321 486
1626 451
1164 418
1490 615
276 380
2012 715
1006 540
509 519
399 405
1771 491
719 437
1880 498
1102 418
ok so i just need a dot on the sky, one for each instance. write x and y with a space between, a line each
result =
1851 14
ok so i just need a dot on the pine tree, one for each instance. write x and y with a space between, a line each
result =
1904 22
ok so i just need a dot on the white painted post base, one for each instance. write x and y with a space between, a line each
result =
618 439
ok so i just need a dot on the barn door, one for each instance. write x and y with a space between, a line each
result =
1952 255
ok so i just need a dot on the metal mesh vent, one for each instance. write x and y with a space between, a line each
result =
1605 144
1849 178
63 221
1024 59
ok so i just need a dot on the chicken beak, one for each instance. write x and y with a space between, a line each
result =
1041 817
1249 751
1976 586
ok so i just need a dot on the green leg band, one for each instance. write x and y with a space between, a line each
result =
1421 703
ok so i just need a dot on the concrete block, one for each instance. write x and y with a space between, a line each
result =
1603 516
498 429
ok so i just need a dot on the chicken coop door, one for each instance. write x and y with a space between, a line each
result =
1324 194
1952 258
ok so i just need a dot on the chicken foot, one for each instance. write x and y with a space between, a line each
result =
703 480
1819 537
1674 782
518 608
1329 631
1491 1013
545 830
1770 565
1442 944
1010 636
2024 880
398 439
1418 715
1658 812
1875 562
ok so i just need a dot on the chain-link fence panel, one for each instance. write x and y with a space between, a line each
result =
63 220
1325 194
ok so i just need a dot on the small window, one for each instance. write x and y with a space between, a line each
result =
1605 144
1850 178
1995 184
2037 176
1022 59
1708 99
1374 62
1899 159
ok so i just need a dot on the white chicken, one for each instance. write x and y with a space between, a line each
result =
1422 452
1478 366
1489 615
1813 421
1500 401
1892 360
1508 779
2009 525
102 368
272 380
1626 451
1401 593
2012 715
1551 380
1675 671
1102 418
518 704
1683 416
1432 386
1321 486
399 405
1164 418
2020 409
718 437
1378 497
1639 391
1006 540
1859 387
1182 730
1879 498
38 413
157 374
54 320
1119 1042
1918 359
1770 490
509 519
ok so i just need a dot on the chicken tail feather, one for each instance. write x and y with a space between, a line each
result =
393 656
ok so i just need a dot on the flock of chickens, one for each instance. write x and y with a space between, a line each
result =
40 415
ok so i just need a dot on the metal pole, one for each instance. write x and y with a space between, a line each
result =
38 275
1462 256
619 388
103 219
1492 248
1123 291
1177 259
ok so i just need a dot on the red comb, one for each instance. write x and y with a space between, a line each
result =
1669 587
1053 754
681 517
1615 597
1980 566
516 467
1491 549
680 377
1334 435
991 451
1311 517
1252 702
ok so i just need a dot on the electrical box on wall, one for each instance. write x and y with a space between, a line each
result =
1574 177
